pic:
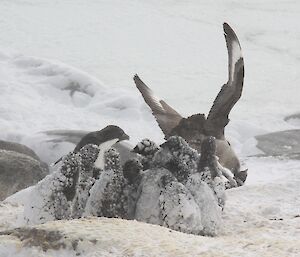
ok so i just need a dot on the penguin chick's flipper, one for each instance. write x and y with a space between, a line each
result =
166 117
231 92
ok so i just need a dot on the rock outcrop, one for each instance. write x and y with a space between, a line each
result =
19 169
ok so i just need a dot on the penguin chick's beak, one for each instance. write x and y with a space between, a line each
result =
123 137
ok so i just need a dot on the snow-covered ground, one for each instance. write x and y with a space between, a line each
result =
69 65
259 220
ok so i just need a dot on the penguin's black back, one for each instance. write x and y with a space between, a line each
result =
98 137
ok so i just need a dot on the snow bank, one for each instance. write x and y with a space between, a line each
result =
268 227
38 95
251 227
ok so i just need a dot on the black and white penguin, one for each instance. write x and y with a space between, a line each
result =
110 135
104 138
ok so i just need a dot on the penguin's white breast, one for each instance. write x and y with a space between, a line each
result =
99 163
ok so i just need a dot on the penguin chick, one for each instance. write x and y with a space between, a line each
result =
209 161
131 170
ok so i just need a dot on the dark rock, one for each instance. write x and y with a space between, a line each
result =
284 144
38 238
19 148
18 171
293 116
23 149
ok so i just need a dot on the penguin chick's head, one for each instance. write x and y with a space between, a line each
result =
112 132
131 170
146 147
208 146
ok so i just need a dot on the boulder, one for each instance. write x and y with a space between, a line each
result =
18 171
284 144
19 148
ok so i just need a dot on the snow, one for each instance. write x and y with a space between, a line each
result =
52 55
35 98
